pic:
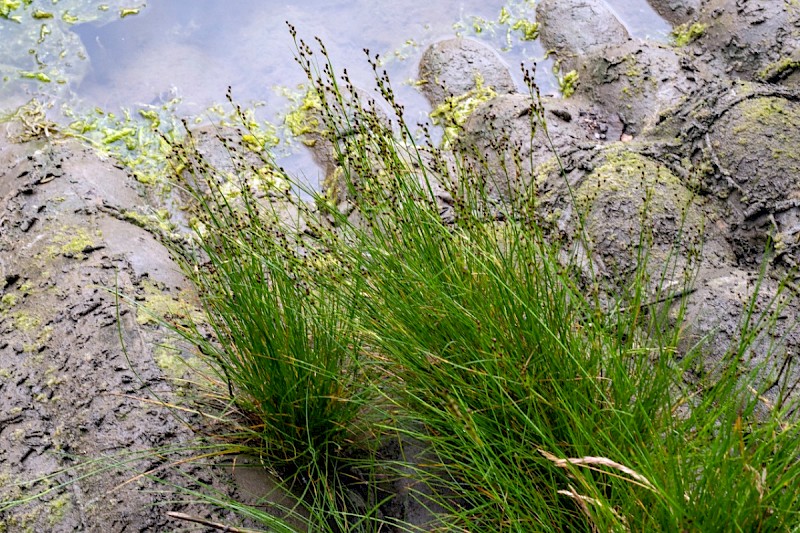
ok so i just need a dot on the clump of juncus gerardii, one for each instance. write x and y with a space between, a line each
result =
415 309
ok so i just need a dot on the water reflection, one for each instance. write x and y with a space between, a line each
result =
641 20
196 48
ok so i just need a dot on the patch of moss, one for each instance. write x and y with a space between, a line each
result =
41 339
764 111
771 124
632 204
170 360
57 508
632 67
332 187
630 174
158 221
25 322
686 33
772 121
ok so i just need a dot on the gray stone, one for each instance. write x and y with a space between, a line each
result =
676 11
573 28
451 68
638 80
715 319
514 123
753 40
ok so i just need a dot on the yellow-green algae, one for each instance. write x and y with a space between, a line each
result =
627 174
71 242
7 7
304 119
516 18
567 83
40 76
505 15
41 14
159 305
687 33
69 19
528 30
779 69
453 113
139 143
31 47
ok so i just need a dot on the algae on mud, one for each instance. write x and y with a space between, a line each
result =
686 33
452 114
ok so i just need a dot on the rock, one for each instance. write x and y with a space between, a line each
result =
713 322
676 11
752 40
514 123
635 211
573 28
738 137
754 143
638 81
453 67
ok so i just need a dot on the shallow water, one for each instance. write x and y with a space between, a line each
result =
195 49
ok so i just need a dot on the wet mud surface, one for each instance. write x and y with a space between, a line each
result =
70 392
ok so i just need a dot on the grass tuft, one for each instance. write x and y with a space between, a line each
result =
413 305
